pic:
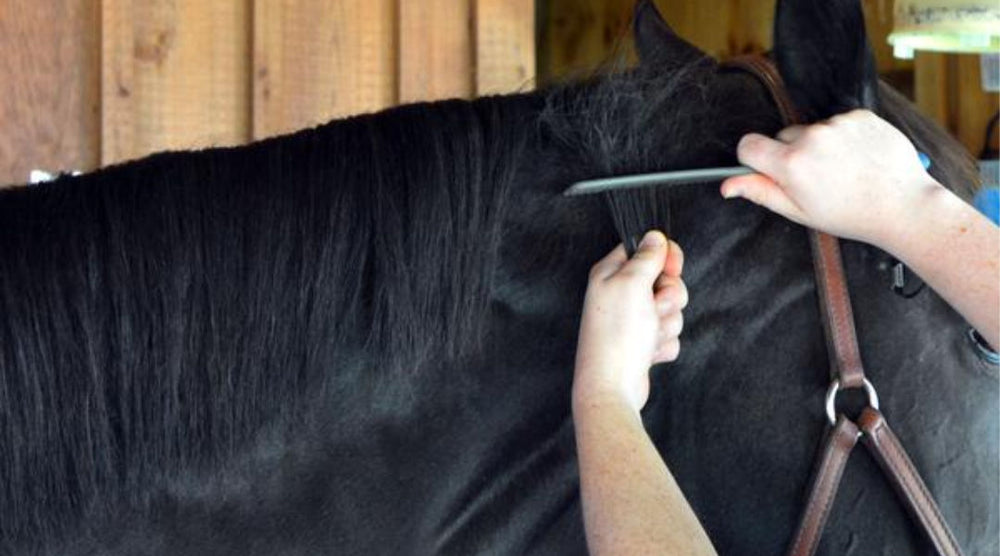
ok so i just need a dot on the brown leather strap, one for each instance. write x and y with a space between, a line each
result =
835 305
847 369
823 489
835 301
765 72
889 452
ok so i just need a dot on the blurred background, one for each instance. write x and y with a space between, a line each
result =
86 83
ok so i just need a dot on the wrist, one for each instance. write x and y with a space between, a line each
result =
899 228
593 395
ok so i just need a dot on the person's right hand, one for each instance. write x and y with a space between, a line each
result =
850 176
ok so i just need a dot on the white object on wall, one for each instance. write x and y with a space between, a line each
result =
945 26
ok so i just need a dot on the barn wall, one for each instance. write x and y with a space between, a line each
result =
49 86
91 82
85 83
578 35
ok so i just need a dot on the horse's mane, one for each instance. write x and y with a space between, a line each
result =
154 314
635 116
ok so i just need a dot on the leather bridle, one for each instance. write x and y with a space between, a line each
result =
847 372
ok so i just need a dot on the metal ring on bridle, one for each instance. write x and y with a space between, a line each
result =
831 398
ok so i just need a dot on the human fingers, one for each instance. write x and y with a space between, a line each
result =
671 325
668 351
671 294
675 259
647 262
764 191
763 154
610 264
791 133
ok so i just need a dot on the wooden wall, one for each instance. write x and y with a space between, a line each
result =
85 83
577 35
49 86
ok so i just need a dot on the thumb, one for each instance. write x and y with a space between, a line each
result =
648 261
762 190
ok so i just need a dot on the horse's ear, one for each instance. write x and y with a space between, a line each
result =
657 44
823 55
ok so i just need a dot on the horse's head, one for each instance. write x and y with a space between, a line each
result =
680 108
825 59
820 46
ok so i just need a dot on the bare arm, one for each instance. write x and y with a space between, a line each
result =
631 503
631 318
955 249
856 176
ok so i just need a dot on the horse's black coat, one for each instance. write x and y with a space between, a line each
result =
359 338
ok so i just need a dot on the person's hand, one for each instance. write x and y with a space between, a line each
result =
631 319
850 176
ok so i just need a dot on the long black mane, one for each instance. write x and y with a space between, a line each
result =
206 318
157 313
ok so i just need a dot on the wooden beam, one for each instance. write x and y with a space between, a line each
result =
117 82
174 75
435 50
49 87
315 61
505 46
972 106
578 36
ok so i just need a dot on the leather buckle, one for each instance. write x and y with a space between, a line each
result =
831 398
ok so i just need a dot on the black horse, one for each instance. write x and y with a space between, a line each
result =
359 338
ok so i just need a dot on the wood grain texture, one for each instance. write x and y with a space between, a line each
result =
435 50
49 87
930 85
878 23
315 61
505 46
722 28
174 75
973 106
577 36
947 87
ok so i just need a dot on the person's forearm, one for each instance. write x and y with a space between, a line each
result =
955 250
631 504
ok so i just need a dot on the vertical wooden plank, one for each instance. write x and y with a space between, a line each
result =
707 24
972 106
947 88
49 87
878 22
117 82
175 75
314 61
750 28
505 46
435 50
930 85
580 34
722 28
577 36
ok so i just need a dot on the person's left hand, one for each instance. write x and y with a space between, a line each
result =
631 320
